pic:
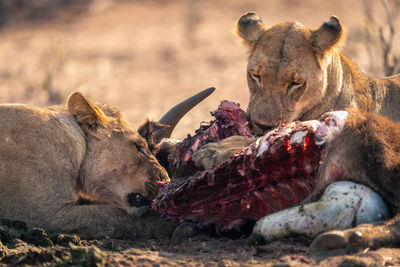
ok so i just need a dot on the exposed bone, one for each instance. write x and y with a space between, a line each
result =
298 138
332 124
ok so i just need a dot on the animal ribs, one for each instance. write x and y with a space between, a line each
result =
273 173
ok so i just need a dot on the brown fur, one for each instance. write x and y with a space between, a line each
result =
147 130
295 72
211 154
368 152
52 158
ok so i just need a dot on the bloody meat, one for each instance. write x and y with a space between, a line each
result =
230 120
267 176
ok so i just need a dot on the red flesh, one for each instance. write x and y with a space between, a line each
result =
230 120
246 186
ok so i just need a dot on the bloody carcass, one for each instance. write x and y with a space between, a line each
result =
276 171
230 120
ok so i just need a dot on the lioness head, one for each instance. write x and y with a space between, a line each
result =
287 68
119 167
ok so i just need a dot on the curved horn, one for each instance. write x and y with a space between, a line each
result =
173 116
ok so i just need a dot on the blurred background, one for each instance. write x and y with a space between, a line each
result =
145 56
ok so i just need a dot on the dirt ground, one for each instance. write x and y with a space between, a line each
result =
33 246
145 56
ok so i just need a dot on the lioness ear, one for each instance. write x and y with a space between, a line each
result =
250 28
88 115
148 131
328 36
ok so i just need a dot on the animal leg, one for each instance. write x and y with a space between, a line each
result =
343 205
365 235
212 154
98 221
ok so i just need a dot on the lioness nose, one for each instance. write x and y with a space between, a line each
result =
137 200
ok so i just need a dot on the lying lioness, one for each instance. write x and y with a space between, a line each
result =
79 168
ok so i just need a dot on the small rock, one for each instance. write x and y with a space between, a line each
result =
65 239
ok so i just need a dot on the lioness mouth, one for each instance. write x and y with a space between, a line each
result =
137 200
263 127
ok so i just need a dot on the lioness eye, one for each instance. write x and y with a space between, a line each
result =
139 149
256 77
294 85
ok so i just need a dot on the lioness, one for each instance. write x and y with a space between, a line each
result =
79 168
295 72
298 73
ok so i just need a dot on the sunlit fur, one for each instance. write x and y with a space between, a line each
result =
53 158
295 72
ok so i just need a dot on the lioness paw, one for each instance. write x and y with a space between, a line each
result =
351 239
212 154
207 156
